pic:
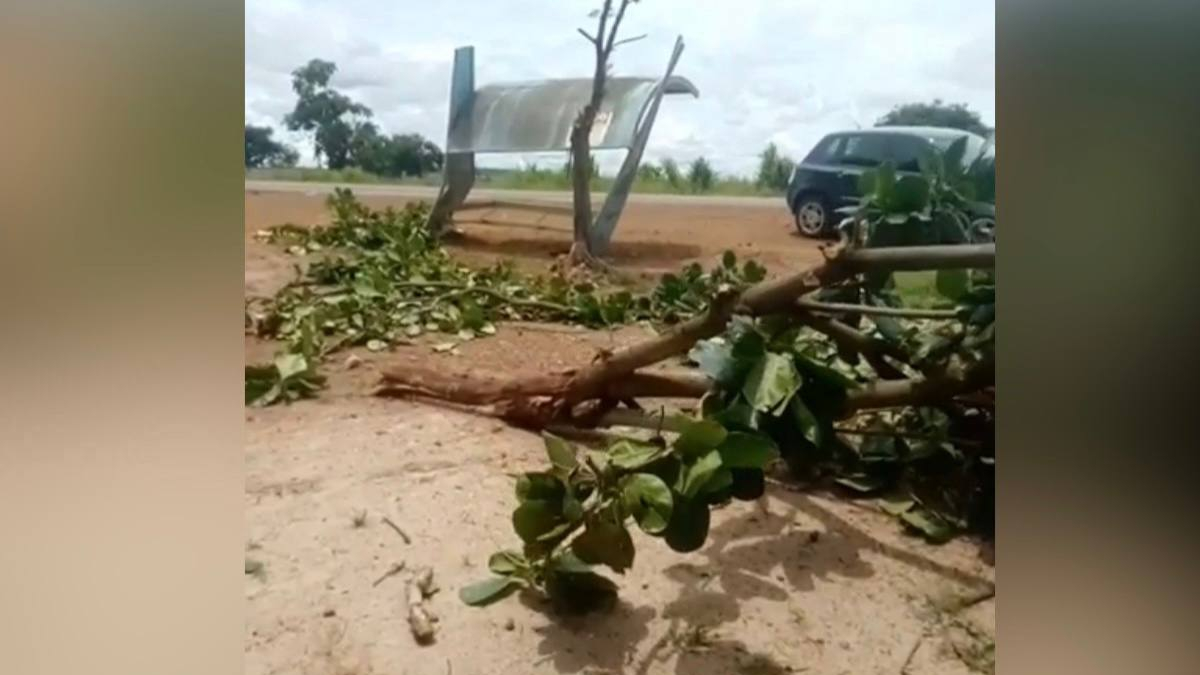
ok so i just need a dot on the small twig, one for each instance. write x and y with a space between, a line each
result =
395 569
388 521
618 43
587 35
874 310
913 652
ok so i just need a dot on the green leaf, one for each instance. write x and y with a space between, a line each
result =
632 455
540 486
365 289
806 421
885 183
376 345
718 484
747 451
952 284
930 525
472 316
699 437
698 473
729 260
688 527
648 499
867 181
259 381
910 194
488 591
561 454
604 542
570 563
290 365
771 382
716 359
533 518
572 509
507 563
737 416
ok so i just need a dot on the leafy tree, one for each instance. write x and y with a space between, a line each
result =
701 175
935 114
774 169
650 173
396 155
332 116
262 150
670 171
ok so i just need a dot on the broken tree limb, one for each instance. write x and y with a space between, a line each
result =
922 391
874 310
873 349
922 258
538 400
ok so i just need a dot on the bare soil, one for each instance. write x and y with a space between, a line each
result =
800 582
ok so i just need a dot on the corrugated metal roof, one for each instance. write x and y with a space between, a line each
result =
537 116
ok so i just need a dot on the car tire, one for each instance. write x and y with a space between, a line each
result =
983 231
813 216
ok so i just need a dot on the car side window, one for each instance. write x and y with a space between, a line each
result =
864 150
906 152
827 150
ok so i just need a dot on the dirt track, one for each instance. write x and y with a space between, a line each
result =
807 584
657 233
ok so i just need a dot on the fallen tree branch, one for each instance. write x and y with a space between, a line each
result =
922 391
922 258
535 401
873 349
874 310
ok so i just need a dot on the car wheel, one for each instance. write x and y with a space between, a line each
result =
812 216
983 231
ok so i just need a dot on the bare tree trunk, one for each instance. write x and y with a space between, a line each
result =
581 147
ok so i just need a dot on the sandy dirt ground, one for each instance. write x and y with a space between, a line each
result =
799 583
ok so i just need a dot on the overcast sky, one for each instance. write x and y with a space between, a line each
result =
787 71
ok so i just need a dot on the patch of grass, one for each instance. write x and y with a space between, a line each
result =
349 175
919 289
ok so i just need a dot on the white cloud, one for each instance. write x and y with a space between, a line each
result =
787 71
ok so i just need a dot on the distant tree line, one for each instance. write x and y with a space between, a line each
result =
342 131
935 114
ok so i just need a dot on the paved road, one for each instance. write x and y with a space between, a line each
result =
425 192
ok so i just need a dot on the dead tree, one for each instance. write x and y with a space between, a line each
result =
587 396
603 42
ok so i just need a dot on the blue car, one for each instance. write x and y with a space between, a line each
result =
827 178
